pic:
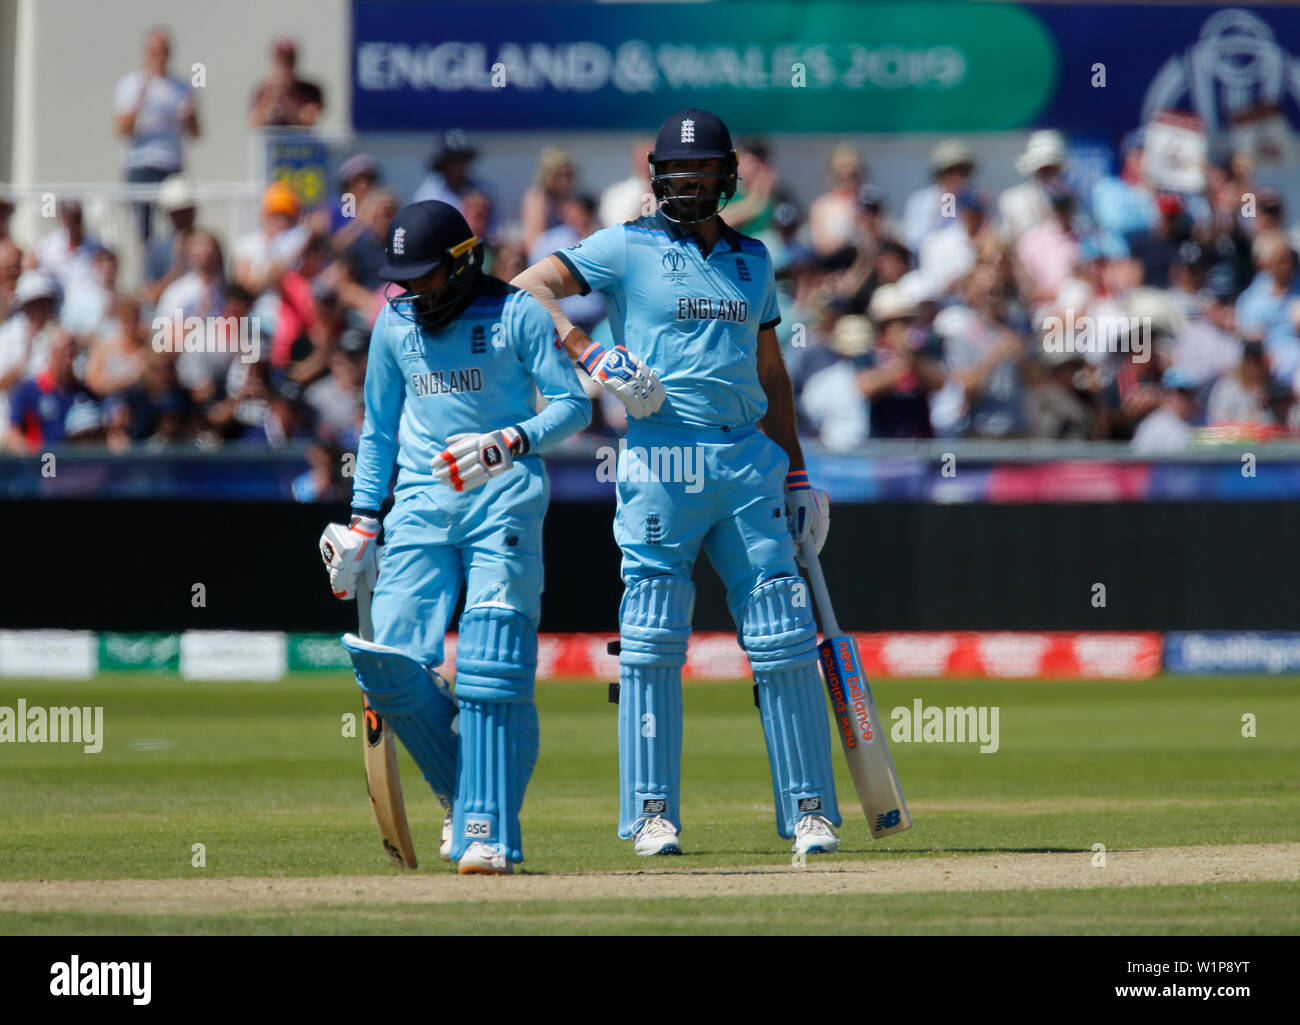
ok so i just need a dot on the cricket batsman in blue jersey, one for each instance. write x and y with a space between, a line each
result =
453 368
693 308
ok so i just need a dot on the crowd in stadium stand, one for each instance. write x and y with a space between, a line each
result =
1125 314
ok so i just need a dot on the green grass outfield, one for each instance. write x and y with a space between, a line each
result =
262 776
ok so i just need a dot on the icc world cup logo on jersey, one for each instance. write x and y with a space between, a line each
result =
674 265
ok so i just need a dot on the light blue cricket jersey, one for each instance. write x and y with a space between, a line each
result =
476 374
693 319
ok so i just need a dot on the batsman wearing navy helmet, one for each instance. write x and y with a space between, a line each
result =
696 301
455 359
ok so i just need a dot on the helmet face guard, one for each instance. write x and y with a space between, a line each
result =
433 308
692 197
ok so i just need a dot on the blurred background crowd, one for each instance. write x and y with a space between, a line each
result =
917 315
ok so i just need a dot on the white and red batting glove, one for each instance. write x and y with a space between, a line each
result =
807 511
626 377
470 460
349 554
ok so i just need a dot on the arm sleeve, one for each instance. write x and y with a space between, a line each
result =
377 449
538 344
771 309
599 261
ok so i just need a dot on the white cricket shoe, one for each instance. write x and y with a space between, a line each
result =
657 836
484 859
444 848
813 835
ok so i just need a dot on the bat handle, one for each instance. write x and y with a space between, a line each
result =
820 595
365 626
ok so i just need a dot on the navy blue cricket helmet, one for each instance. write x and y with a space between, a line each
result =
688 196
423 237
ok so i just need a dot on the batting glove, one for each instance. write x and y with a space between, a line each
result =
626 377
807 511
470 460
349 554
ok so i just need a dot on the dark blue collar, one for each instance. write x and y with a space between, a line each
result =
677 232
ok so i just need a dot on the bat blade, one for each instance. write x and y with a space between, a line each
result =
384 785
858 725
379 753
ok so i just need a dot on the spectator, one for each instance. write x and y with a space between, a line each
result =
982 355
1168 430
949 253
1205 348
365 253
118 358
40 403
450 177
952 164
1269 309
263 255
833 216
758 195
246 415
323 480
337 399
282 98
26 337
632 197
6 212
1125 205
165 257
1243 396
1270 214
1135 390
1055 403
902 376
152 112
88 300
831 402
67 252
890 263
1049 250
84 421
11 268
476 207
1157 247
540 209
578 220
1025 205
160 410
198 293
358 175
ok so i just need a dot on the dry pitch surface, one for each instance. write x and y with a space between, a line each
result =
1276 862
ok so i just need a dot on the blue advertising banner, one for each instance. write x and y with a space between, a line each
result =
1232 652
782 66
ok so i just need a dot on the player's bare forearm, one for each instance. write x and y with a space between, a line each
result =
548 281
778 423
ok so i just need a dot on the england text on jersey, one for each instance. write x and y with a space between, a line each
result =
447 382
706 307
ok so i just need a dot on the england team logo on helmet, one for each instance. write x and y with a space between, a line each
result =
693 167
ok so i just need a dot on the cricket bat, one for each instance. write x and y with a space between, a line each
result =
856 720
380 752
